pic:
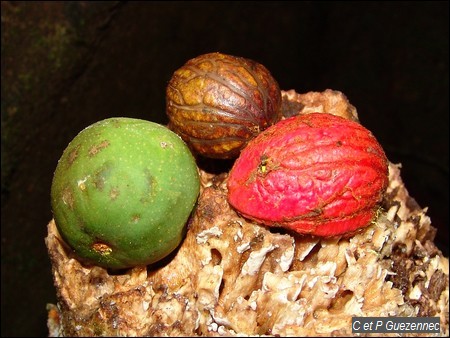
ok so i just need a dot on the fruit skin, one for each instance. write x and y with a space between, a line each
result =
315 174
218 102
122 192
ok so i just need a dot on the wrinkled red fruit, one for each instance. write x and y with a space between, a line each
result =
315 174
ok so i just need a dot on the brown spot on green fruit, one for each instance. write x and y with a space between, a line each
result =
101 176
101 248
123 188
135 218
67 197
114 193
151 188
73 155
98 147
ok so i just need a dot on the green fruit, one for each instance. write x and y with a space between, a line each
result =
122 192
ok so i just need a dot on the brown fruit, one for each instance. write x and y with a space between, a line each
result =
218 102
316 173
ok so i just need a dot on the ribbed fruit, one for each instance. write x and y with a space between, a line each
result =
123 191
315 174
218 102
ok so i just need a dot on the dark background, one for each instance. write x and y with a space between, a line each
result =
66 65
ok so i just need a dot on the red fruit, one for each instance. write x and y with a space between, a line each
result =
315 174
